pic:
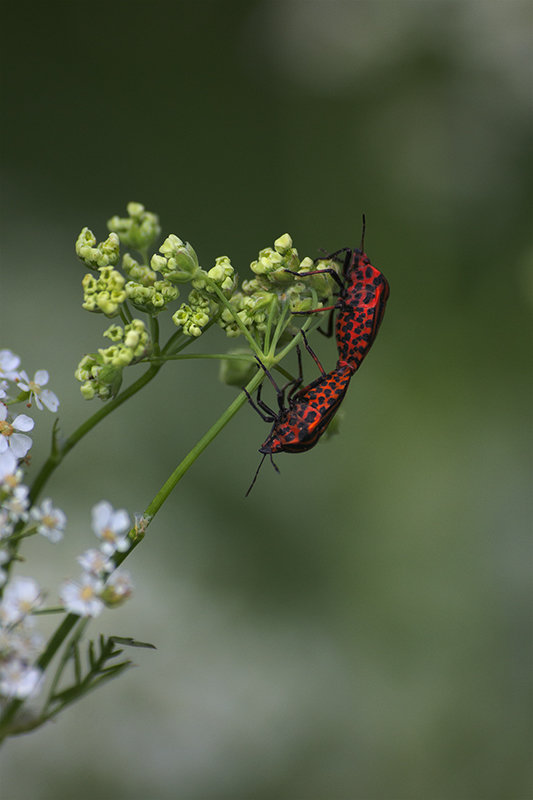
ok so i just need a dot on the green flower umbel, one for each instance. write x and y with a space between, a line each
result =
138 230
104 293
178 262
101 373
96 256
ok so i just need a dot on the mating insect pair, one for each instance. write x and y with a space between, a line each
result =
306 413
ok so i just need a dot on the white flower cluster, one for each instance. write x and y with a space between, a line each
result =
13 429
100 584
20 644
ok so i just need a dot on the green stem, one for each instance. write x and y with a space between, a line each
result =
188 461
219 356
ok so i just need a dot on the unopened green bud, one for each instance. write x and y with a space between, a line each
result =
192 317
268 261
96 256
98 379
222 274
135 210
139 229
283 244
178 262
237 371
88 390
115 333
87 368
151 299
136 338
104 293
138 272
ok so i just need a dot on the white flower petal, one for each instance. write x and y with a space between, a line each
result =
20 444
8 464
41 377
49 399
120 521
23 423
101 514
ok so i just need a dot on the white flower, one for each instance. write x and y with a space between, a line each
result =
3 387
8 365
21 596
118 587
35 388
82 597
10 476
17 504
95 562
51 521
18 679
18 442
111 527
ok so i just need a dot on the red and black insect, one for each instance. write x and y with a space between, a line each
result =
364 292
305 414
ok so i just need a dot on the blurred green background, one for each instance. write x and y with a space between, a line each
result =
358 628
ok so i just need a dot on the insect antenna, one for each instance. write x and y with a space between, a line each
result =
257 472
363 235
255 476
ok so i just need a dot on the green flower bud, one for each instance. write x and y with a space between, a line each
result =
139 229
283 243
98 379
88 390
136 338
103 255
268 261
192 317
237 372
179 262
254 285
110 376
104 293
222 274
115 333
138 272
87 368
151 299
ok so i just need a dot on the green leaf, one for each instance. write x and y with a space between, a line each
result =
129 642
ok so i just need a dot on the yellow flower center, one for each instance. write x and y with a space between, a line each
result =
87 593
6 429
